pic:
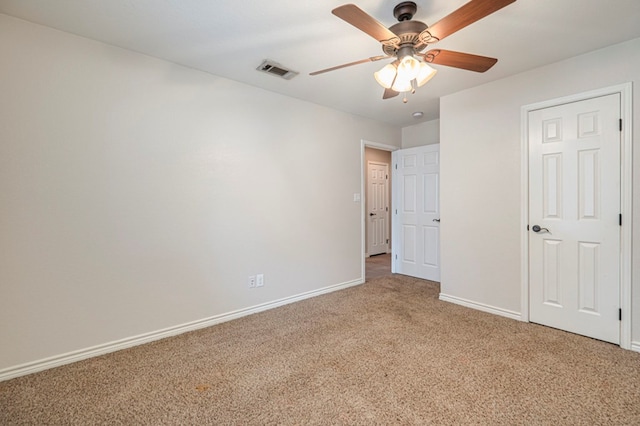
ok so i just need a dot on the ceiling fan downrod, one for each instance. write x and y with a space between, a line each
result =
404 11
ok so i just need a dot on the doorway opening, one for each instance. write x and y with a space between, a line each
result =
376 208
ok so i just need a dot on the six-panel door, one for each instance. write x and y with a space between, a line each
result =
574 205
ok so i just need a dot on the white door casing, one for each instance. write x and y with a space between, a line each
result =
575 194
416 212
377 208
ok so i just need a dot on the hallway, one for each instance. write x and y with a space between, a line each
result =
378 266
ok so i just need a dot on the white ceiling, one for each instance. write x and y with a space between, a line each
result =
231 38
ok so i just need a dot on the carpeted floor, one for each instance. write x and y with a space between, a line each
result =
385 352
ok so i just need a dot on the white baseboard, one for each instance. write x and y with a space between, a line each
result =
481 307
635 346
68 358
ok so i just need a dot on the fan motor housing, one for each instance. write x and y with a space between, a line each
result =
407 32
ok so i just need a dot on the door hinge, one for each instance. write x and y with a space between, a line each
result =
619 314
386 209
527 227
620 121
620 219
396 166
387 241
396 211
386 177
396 257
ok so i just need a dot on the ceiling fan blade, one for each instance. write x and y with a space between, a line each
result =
465 61
357 17
371 59
388 93
468 14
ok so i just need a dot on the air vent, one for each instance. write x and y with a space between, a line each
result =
276 69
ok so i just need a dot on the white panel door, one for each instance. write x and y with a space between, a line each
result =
377 208
574 207
417 212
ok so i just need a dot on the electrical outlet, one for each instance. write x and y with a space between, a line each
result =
252 281
259 280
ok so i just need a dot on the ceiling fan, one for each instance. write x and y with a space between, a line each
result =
408 38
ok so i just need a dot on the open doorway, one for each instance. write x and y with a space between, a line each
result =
376 209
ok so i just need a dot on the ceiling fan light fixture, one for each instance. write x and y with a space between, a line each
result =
386 76
408 68
425 74
402 85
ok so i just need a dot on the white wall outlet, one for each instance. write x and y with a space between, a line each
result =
259 280
252 281
356 197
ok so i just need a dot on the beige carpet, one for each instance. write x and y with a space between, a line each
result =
386 352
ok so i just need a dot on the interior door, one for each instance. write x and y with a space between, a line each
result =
417 212
574 207
377 208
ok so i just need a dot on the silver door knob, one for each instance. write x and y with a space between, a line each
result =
436 220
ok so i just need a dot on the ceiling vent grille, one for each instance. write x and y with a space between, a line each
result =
274 68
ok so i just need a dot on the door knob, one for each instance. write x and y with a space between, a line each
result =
436 220
372 214
536 228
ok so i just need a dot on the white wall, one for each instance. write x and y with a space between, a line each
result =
137 195
480 173
425 133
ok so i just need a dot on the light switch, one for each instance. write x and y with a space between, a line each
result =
356 197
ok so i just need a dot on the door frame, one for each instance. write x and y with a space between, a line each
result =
363 201
626 197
